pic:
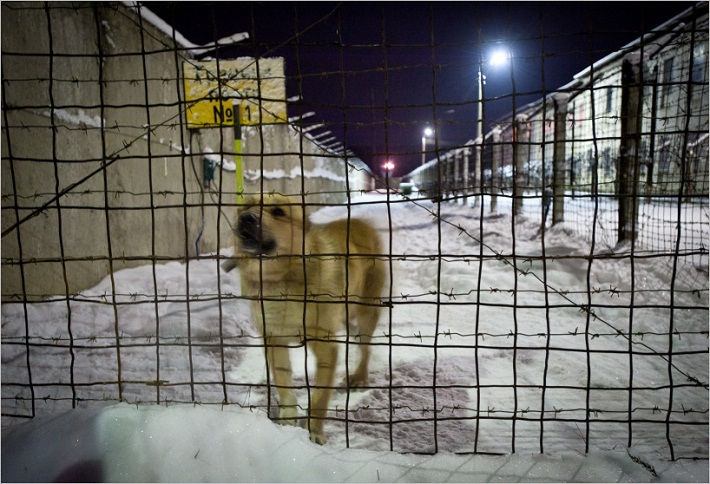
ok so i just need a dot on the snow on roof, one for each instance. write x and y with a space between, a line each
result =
655 33
180 39
358 164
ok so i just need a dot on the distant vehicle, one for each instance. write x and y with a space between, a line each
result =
406 188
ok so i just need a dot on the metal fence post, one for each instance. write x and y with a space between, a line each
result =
446 170
495 167
558 157
628 175
477 174
457 175
521 139
466 154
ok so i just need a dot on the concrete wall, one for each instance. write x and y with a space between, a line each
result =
85 107
665 114
111 210
279 154
597 136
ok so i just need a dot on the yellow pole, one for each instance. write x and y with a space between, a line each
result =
238 161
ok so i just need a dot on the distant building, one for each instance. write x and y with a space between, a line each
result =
631 105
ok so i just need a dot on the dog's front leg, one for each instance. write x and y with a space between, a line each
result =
280 365
326 357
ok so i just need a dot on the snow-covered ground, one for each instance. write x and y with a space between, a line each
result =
148 443
497 352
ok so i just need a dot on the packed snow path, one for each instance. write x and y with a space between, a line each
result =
484 344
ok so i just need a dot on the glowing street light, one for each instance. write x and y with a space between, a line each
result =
388 168
499 57
428 133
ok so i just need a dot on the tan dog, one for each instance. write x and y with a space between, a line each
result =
286 258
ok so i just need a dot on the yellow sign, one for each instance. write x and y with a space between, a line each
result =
211 97
210 113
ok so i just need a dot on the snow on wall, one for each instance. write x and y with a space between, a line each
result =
284 153
321 170
79 118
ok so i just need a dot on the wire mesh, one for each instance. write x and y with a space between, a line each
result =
547 278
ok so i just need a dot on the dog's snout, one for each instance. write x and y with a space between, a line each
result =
253 238
248 225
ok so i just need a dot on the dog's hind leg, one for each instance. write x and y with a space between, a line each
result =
280 366
326 358
366 317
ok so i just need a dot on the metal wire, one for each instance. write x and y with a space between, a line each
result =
631 189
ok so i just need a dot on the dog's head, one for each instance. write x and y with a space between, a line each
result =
269 225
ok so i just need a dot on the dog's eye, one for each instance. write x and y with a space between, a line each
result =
277 212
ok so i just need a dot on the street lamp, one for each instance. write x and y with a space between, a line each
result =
388 167
428 133
497 58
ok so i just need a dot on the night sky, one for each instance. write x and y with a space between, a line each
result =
336 54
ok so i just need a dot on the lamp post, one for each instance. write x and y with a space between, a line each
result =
498 58
428 132
388 167
478 143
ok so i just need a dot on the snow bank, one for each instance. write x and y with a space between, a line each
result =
196 444
442 325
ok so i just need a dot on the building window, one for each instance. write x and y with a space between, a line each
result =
609 99
606 161
667 76
698 74
590 162
663 156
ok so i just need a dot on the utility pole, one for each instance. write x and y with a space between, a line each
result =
478 142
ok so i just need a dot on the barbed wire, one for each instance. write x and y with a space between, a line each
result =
673 215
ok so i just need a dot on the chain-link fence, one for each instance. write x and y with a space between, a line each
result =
547 280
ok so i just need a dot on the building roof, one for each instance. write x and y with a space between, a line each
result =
669 28
167 29
652 42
